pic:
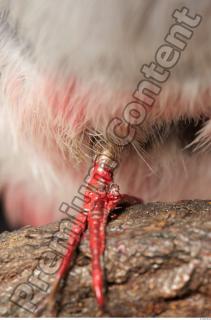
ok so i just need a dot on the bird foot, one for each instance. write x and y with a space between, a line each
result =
100 199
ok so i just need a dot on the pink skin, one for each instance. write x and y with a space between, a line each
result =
18 195
195 183
20 211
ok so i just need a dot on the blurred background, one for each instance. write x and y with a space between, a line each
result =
4 226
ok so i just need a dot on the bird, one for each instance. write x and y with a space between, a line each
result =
121 86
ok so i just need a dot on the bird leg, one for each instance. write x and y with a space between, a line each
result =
99 198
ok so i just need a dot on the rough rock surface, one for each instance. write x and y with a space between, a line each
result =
157 261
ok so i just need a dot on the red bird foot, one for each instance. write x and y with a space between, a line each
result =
101 197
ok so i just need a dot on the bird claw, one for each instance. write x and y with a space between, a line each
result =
99 209
101 197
